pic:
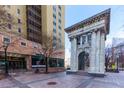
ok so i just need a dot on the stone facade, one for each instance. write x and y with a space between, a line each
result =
88 38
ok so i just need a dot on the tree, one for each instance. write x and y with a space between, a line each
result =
108 56
48 49
6 20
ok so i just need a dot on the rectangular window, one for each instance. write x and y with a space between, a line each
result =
54 44
60 21
19 21
54 16
59 14
34 45
54 41
54 23
19 30
18 11
54 7
23 44
54 38
9 26
60 27
59 40
83 39
60 34
89 39
9 15
59 7
54 30
78 40
6 40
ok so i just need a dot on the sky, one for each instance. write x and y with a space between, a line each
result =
77 13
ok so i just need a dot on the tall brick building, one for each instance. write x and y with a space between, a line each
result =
26 38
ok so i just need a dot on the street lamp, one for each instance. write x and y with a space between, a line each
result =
117 63
5 46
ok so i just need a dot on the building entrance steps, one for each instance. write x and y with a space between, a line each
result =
79 72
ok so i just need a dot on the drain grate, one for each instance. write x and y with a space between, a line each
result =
52 83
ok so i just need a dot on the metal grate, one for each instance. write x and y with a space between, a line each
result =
52 83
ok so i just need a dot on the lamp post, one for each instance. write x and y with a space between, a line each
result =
5 46
117 63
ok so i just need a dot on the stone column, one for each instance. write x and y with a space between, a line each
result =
98 52
86 39
93 53
102 54
73 63
81 41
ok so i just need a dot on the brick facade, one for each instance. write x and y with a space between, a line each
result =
16 49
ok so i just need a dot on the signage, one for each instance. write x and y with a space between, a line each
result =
38 66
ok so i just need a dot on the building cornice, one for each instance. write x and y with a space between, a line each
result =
89 21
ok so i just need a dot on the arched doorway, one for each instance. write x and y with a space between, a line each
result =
83 60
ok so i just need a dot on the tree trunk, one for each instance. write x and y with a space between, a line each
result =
46 64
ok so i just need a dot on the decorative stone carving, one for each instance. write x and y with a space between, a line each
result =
97 26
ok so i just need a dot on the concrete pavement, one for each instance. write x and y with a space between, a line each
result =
63 80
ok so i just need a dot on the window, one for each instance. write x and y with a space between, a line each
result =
54 8
34 45
54 23
54 16
60 27
59 39
78 40
60 34
52 62
60 62
9 26
89 39
18 11
19 21
54 30
54 38
19 30
23 44
59 7
54 43
60 21
9 15
6 40
59 14
83 39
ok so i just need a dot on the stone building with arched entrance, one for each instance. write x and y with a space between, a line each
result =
88 43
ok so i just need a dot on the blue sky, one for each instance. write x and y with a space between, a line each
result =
77 13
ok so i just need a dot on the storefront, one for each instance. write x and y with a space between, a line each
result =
38 61
54 64
15 61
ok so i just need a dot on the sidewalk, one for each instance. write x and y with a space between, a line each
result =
32 80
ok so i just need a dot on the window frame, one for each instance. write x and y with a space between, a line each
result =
6 37
23 42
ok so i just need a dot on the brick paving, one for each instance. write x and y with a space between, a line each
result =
63 80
